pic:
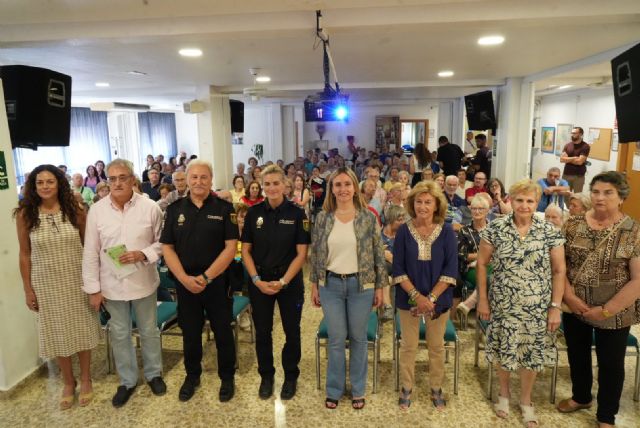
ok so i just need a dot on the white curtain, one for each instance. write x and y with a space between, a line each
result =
158 134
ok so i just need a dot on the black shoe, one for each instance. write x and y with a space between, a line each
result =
188 388
227 389
266 388
288 389
122 396
157 385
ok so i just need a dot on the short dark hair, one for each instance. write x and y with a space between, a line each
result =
443 139
481 137
579 129
616 179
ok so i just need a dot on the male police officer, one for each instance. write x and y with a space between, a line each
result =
274 247
199 241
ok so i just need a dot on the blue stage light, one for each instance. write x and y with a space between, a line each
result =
341 113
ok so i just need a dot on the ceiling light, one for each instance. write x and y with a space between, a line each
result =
565 87
102 84
490 40
137 73
190 52
263 79
445 73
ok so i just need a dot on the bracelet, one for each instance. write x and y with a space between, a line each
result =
432 297
606 313
413 294
255 278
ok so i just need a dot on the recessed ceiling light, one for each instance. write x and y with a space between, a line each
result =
190 52
565 87
445 73
102 84
263 79
490 40
137 73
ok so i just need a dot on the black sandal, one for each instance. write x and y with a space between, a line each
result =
330 403
358 403
404 401
438 399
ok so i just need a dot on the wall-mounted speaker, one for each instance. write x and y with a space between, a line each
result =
38 103
237 115
480 111
625 69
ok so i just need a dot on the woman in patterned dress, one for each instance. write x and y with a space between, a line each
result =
523 305
602 291
50 231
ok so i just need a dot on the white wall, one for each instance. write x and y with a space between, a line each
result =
362 124
262 125
589 108
187 133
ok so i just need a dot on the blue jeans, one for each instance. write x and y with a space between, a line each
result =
124 353
346 312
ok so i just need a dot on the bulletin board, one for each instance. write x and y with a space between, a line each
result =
600 141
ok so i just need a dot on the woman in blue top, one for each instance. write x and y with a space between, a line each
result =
425 265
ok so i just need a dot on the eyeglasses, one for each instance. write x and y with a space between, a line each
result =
52 222
478 208
119 178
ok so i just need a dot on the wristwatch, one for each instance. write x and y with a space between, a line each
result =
255 278
432 297
206 278
606 313
283 283
555 305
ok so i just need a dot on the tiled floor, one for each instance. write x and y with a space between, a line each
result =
34 404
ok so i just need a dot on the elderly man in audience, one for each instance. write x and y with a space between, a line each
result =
179 179
554 190
479 186
119 270
77 185
152 187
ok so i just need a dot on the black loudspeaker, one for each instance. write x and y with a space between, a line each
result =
480 112
237 115
38 103
625 69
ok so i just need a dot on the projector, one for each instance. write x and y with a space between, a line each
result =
326 107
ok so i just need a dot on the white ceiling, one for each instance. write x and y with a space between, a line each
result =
383 49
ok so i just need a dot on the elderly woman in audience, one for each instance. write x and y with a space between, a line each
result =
523 303
579 203
102 191
554 215
238 188
395 195
50 233
468 247
405 179
602 290
253 194
501 200
425 265
463 184
347 277
427 174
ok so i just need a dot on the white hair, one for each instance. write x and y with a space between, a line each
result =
451 177
554 207
200 162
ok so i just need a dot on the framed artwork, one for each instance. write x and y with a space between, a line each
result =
237 138
548 138
563 136
614 141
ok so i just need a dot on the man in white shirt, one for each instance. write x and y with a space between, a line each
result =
179 180
127 219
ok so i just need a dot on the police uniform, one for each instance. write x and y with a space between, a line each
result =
198 236
273 234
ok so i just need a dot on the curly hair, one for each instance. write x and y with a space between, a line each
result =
29 206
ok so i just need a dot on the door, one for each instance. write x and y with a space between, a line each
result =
628 155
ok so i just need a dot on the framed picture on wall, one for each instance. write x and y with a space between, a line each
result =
614 141
563 136
548 138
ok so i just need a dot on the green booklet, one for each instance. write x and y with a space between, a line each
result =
120 270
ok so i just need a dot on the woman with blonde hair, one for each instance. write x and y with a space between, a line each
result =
523 304
425 265
347 276
579 203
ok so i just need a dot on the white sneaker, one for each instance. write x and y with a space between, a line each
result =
245 323
463 308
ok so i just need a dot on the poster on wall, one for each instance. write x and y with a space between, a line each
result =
563 136
548 138
4 179
237 138
614 141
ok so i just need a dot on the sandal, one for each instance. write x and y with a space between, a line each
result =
66 401
528 415
330 403
85 398
438 399
502 407
358 403
404 401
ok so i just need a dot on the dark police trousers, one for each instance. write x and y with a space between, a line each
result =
611 346
290 301
216 303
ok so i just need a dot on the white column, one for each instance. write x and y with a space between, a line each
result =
512 161
214 132
18 334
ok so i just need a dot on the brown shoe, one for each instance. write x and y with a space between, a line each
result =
568 406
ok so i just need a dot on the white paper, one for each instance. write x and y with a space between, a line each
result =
636 162
594 134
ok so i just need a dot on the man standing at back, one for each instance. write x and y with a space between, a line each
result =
574 156
198 243
554 189
119 269
450 156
